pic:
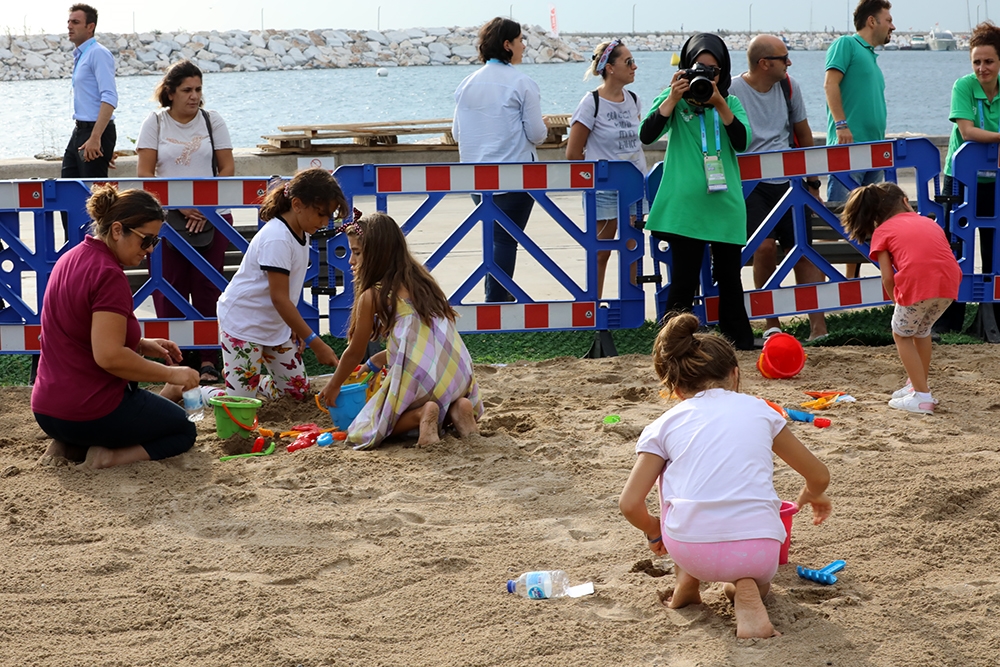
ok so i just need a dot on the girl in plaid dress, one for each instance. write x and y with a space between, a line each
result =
429 381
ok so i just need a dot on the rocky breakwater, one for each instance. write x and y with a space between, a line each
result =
51 56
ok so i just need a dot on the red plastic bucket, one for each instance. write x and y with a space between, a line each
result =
782 357
788 510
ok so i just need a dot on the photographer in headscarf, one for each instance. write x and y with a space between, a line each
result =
700 199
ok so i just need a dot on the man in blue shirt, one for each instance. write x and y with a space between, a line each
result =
95 97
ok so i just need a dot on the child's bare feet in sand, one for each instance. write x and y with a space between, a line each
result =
751 617
463 417
58 453
687 591
102 457
429 414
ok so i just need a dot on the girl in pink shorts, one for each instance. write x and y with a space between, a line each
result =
712 457
919 271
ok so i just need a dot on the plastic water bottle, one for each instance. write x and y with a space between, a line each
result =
541 585
194 404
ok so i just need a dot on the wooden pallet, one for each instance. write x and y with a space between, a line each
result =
298 139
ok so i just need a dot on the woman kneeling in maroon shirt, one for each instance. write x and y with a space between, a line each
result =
86 396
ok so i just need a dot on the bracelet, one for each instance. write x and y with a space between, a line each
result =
659 538
311 337
372 367
840 124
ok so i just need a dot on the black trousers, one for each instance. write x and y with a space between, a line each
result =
73 165
726 266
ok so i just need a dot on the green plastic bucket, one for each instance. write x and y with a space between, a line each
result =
234 414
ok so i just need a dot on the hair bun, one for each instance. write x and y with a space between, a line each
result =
102 198
679 332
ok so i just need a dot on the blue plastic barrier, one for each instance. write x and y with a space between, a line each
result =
970 161
539 179
772 300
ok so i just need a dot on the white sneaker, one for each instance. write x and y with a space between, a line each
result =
912 403
905 391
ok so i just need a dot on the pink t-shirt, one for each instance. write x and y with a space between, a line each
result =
70 385
925 266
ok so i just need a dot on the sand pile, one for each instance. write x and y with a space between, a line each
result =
399 556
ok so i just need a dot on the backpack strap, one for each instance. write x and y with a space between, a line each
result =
786 89
597 99
211 141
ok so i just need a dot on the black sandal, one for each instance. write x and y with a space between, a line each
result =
214 377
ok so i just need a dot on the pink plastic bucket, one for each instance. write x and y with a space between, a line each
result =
788 510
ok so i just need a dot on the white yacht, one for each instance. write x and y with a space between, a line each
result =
918 43
942 40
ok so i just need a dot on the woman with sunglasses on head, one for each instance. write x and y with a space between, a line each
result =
605 126
86 396
183 140
700 199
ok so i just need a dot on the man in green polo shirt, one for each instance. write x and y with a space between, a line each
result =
855 88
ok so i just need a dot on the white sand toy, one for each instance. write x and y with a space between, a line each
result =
824 575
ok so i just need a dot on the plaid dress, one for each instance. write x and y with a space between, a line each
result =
425 363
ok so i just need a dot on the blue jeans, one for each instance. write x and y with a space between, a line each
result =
835 192
517 207
142 418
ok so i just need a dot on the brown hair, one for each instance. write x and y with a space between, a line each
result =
132 208
985 34
598 52
387 266
492 36
316 188
172 78
869 206
87 10
689 361
868 8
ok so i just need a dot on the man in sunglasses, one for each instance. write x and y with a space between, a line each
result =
777 114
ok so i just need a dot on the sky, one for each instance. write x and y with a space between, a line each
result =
49 16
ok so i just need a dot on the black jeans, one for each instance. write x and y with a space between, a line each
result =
142 418
73 165
517 206
685 277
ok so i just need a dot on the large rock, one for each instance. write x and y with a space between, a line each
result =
297 56
32 60
396 36
258 41
182 38
227 60
438 32
336 35
166 47
376 36
438 58
147 56
276 46
252 64
415 33
208 66
219 48
467 51
439 48
288 61
146 38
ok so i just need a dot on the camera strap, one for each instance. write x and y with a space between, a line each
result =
715 175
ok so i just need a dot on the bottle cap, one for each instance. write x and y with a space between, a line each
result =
511 585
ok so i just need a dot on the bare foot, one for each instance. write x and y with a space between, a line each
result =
429 414
463 417
172 392
751 616
59 453
97 458
687 591
730 590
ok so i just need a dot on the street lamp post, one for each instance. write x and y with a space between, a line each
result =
750 20
378 19
511 14
633 19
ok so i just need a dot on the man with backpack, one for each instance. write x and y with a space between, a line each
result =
777 116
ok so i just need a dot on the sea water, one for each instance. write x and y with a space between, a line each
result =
37 114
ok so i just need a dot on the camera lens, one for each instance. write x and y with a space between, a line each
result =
701 89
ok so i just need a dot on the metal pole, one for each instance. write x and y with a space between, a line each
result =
633 19
511 14
378 19
262 19
750 20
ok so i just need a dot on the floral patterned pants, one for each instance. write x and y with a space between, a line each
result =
243 362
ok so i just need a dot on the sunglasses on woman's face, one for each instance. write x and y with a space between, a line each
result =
149 241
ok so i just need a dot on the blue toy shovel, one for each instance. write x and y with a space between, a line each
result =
823 576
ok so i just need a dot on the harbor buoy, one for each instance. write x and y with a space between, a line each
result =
382 71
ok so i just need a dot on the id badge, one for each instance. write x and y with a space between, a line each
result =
714 174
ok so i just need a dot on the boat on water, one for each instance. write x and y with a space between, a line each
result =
942 40
918 43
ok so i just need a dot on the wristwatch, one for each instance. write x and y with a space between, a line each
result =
812 182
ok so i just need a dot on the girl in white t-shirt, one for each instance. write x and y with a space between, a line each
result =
712 457
605 126
259 323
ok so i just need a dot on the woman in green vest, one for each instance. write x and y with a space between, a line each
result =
700 198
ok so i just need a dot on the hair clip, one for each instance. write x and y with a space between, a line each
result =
288 190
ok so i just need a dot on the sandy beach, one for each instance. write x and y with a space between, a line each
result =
399 556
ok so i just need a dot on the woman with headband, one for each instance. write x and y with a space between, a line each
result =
605 126
700 199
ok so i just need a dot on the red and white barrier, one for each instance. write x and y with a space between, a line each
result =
485 177
820 160
238 192
514 316
26 194
860 293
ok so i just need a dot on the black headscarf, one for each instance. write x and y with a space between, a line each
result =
701 42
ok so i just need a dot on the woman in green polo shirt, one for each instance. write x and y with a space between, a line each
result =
975 111
700 198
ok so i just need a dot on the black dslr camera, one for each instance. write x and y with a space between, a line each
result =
701 77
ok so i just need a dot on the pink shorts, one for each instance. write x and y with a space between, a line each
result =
726 561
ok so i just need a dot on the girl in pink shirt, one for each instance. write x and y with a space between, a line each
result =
919 272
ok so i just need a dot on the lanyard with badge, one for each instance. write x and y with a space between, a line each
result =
984 174
715 176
